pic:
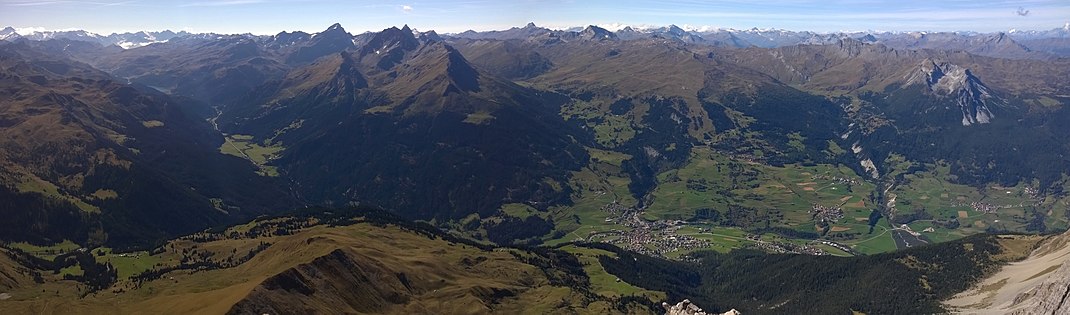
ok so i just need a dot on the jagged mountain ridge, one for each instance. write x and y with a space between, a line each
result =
949 80
999 44
397 94
897 94
853 67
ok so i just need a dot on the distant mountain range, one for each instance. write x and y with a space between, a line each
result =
1013 43
124 40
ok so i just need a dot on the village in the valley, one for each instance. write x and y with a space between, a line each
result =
676 238
661 237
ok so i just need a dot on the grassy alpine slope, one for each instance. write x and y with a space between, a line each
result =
358 261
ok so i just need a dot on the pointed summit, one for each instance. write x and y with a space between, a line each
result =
959 84
597 33
430 36
334 31
389 46
8 33
530 25
464 76
332 40
389 38
676 31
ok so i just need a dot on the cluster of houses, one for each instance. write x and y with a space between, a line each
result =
783 247
836 179
825 214
654 238
987 208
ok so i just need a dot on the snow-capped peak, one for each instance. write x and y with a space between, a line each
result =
698 28
125 40
616 27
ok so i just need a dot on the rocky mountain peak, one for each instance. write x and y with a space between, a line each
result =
288 38
850 47
953 81
464 76
334 31
597 33
333 39
391 38
430 36
8 33
530 25
676 31
389 46
685 307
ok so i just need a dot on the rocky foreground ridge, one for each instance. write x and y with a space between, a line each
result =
685 307
1039 284
1047 298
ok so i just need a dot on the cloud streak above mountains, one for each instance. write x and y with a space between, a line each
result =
271 16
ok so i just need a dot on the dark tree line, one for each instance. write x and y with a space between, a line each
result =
912 281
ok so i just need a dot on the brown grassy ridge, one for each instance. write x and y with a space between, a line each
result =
402 272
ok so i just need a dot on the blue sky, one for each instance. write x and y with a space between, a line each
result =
272 16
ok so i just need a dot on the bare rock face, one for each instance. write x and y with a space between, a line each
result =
686 308
958 83
1039 284
1047 298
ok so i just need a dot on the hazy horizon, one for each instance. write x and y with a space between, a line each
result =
265 17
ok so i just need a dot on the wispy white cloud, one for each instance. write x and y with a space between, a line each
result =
406 8
121 3
34 3
21 3
221 3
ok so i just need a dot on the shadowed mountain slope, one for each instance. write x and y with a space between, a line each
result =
97 161
412 125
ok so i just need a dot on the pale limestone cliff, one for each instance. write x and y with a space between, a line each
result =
686 308
1039 284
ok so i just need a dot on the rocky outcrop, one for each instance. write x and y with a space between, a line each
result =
958 83
685 307
1050 297
1039 284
